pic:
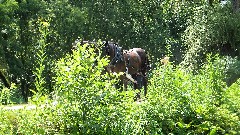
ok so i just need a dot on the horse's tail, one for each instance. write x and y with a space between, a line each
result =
146 63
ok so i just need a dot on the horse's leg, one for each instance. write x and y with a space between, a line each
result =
138 86
125 83
140 81
134 76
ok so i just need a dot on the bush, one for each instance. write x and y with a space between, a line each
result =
86 102
231 99
182 102
10 95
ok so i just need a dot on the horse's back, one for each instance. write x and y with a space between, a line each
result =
132 60
145 65
141 52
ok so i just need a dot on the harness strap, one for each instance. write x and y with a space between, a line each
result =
128 58
118 54
118 57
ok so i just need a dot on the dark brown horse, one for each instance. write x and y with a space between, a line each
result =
134 63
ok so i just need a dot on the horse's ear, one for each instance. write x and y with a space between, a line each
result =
105 43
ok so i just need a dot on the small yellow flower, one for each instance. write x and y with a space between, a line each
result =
45 24
165 60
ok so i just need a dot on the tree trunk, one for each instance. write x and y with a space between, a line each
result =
4 80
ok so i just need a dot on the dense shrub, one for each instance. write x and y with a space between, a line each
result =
181 102
86 102
78 91
10 95
231 99
211 29
84 99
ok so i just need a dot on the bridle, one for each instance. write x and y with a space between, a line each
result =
117 51
118 58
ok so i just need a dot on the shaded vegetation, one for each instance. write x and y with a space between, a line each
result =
197 92
86 102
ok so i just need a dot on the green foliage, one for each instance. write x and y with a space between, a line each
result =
85 102
9 95
41 58
41 91
35 52
176 14
162 28
186 103
232 69
211 30
231 99
7 8
25 121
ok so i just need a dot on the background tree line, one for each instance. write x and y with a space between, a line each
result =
184 30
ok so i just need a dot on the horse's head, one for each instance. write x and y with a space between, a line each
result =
109 48
114 52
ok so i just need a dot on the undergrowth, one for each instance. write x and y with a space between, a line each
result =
85 101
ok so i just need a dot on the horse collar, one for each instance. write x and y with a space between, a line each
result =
118 57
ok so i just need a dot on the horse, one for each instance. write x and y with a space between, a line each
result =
134 63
